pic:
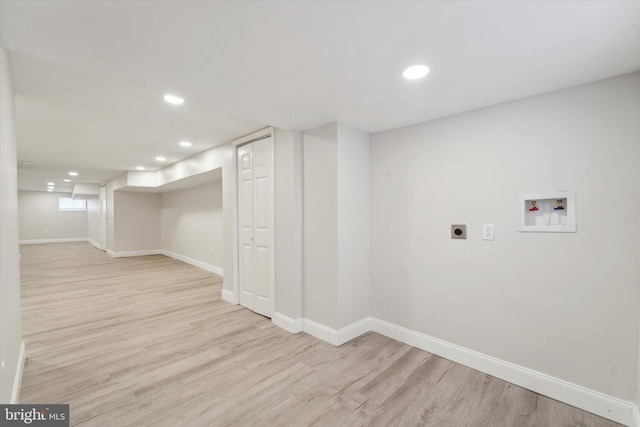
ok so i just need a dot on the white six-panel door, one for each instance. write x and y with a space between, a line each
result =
255 225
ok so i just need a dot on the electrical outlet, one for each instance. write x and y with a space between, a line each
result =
458 231
487 231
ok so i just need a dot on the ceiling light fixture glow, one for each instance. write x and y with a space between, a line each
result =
67 180
161 159
185 143
51 183
50 190
415 72
73 173
140 168
172 99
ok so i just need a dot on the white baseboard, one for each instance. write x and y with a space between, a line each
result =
229 296
124 254
17 382
336 337
636 416
95 244
203 265
581 397
41 241
293 326
320 331
354 330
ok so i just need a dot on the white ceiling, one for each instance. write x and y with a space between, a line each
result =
90 75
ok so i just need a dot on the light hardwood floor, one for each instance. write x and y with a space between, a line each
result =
147 341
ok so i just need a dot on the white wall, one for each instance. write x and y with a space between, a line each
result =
320 225
94 218
563 304
136 221
192 225
224 158
353 226
288 217
637 401
336 225
111 186
10 321
40 219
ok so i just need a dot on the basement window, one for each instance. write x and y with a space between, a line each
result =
69 204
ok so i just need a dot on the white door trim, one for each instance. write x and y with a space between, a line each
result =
103 217
236 267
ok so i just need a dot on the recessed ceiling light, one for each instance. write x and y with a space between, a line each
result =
73 173
51 183
26 162
67 180
161 159
50 189
140 168
172 99
185 143
415 72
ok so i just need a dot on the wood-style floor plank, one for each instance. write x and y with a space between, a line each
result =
147 341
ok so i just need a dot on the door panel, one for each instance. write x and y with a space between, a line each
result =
247 202
246 271
261 205
255 229
261 266
245 231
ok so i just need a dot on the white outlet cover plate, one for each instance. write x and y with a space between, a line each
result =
487 231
